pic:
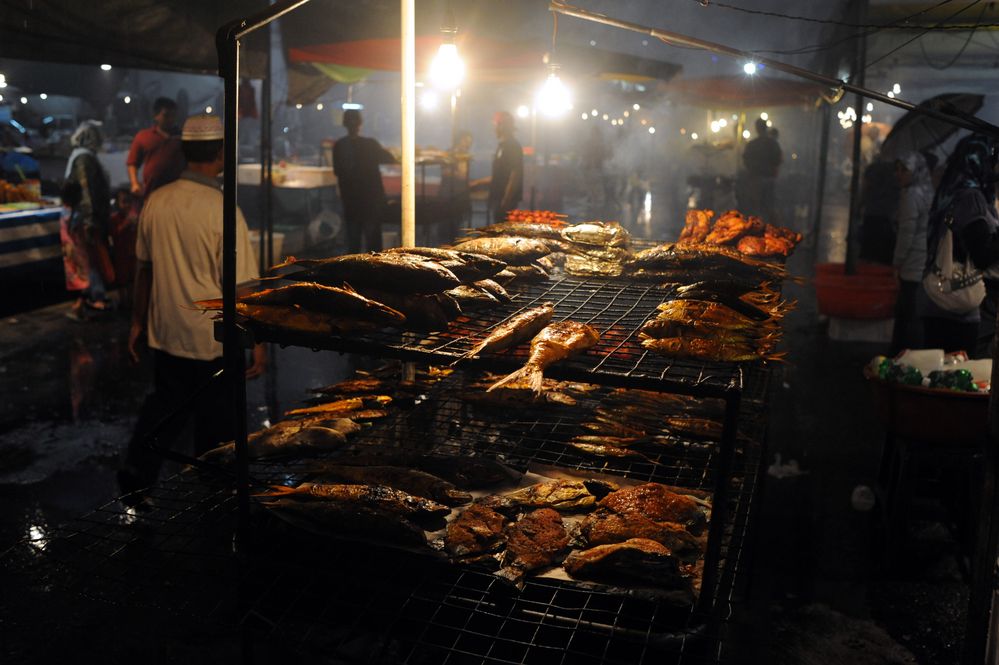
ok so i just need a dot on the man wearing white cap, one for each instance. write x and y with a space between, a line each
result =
179 250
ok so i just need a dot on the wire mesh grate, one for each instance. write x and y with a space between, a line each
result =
616 308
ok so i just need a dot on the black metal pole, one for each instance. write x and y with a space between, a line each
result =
854 221
820 193
267 152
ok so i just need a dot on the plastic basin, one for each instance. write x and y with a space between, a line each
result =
930 414
868 294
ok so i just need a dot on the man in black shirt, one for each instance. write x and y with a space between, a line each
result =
506 186
355 163
762 158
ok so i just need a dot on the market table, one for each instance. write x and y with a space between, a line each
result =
29 239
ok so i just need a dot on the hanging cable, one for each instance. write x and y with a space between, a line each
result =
926 56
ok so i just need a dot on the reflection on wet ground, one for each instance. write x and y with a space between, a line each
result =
70 399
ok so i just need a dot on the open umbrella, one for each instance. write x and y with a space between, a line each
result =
915 131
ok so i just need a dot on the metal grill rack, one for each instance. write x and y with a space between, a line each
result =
616 308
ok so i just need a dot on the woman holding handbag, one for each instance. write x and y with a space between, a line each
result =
93 211
961 286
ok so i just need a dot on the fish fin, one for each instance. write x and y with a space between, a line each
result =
532 375
288 261
213 303
780 357
280 490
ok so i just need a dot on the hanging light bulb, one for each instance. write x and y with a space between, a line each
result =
447 70
554 98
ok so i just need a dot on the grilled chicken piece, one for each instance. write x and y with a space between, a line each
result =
566 496
638 560
604 527
731 226
476 531
657 504
536 540
696 226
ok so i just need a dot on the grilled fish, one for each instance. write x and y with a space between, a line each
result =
707 349
515 330
522 229
378 497
636 561
605 450
536 540
467 473
338 519
413 481
476 531
399 273
704 257
512 250
566 496
341 406
423 312
604 527
493 289
527 274
466 266
294 319
658 504
278 442
610 234
555 342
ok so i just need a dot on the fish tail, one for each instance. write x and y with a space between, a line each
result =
280 490
530 374
213 303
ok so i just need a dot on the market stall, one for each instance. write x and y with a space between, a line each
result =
29 240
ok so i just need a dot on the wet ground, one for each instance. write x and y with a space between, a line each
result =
819 591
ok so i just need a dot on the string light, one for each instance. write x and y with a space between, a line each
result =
298 106
585 116
636 107
693 136
750 68
127 99
764 116
43 96
746 134
208 109
319 106
652 130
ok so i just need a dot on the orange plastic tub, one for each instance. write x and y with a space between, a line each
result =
868 294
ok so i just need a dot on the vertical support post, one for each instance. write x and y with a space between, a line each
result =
267 152
233 352
820 185
408 94
858 130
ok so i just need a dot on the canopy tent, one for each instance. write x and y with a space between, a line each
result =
744 91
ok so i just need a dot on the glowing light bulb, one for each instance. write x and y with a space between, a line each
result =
627 113
764 116
870 107
897 89
693 136
715 127
636 107
723 123
605 116
749 68
746 134
43 96
208 109
523 111
319 106
298 106
554 98
652 130
24 100
106 67
127 100
585 116
447 70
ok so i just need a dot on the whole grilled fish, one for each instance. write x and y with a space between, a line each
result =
515 330
715 313
704 257
341 406
610 234
413 481
340 519
706 349
522 229
317 298
476 531
472 296
399 273
537 540
555 342
635 561
296 319
468 267
283 441
378 497
604 450
512 250
567 496
423 312
493 289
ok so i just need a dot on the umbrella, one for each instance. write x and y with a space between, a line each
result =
915 132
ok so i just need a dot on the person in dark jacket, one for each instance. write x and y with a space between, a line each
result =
762 159
966 196
355 162
506 184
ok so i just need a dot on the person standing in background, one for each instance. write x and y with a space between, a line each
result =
762 159
356 160
506 184
156 150
179 252
91 215
909 258
965 200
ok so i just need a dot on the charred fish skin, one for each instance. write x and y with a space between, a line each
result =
565 496
513 251
515 330
413 481
638 560
471 264
537 540
466 473
420 510
478 530
521 229
658 504
402 273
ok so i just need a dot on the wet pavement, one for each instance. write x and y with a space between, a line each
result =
818 592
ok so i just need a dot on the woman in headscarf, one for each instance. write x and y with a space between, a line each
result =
913 175
967 195
92 213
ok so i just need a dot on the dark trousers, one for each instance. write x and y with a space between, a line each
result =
949 335
176 384
908 331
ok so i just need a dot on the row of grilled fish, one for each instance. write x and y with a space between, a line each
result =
523 531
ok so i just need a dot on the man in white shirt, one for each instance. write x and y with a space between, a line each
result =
179 252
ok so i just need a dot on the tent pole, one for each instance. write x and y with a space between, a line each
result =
853 223
267 150
408 123
820 194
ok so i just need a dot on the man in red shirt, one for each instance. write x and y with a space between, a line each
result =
156 150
